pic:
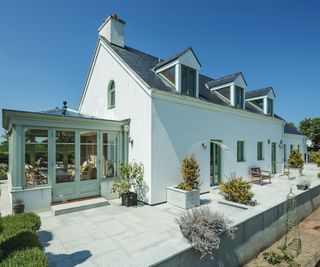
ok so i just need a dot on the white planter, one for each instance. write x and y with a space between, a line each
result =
183 199
296 171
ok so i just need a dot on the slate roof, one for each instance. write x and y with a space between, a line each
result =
288 129
174 57
224 80
259 92
143 65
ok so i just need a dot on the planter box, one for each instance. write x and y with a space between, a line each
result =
18 209
183 199
302 187
129 199
296 171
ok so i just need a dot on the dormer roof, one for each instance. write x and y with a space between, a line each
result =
143 64
259 92
225 80
174 57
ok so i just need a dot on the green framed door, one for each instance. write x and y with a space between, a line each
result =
274 158
65 174
76 164
215 163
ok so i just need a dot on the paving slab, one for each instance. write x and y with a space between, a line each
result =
114 235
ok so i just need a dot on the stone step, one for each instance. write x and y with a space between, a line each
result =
78 205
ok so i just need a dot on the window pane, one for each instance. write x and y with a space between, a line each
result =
170 74
240 151
270 107
109 158
111 95
65 156
239 97
188 81
36 157
88 156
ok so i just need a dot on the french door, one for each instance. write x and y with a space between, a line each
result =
75 166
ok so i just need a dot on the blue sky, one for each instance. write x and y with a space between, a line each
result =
46 46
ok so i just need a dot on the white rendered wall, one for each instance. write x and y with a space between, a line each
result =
295 140
36 199
179 129
131 102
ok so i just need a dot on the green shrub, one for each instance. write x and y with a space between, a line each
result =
28 257
190 173
318 175
20 241
14 224
130 176
237 190
295 159
19 244
3 171
4 157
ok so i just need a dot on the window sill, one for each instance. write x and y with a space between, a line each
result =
260 159
241 161
111 107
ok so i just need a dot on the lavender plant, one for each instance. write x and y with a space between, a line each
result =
203 229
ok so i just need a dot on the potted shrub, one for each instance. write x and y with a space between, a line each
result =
187 194
303 184
18 206
237 190
129 181
295 161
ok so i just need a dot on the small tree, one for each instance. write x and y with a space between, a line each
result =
190 173
131 178
295 159
237 190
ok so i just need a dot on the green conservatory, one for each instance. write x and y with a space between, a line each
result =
61 154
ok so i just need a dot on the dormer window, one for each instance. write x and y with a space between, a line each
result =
270 107
188 81
170 75
239 97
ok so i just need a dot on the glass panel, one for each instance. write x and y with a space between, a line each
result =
111 95
188 81
270 107
109 157
239 97
88 156
65 156
258 102
170 74
36 157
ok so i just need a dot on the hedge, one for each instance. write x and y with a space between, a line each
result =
4 157
19 244
29 257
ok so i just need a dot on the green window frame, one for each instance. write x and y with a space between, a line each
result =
260 150
299 148
285 152
111 94
270 107
188 81
240 151
291 148
239 97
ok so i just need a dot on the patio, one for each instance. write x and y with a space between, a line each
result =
141 236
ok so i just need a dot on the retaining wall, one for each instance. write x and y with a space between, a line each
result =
253 235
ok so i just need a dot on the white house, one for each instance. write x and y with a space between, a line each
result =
174 111
135 106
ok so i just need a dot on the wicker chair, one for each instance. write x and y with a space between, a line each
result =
259 175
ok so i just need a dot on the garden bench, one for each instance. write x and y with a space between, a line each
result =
259 175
